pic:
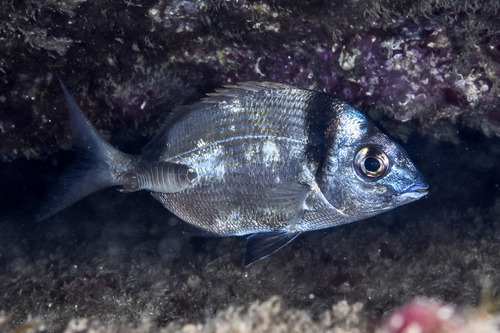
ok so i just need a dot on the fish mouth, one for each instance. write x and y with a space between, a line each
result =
416 191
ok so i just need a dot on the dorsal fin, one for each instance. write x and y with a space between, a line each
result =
225 94
236 91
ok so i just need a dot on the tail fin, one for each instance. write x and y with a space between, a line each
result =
96 169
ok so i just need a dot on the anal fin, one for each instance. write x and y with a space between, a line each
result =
260 245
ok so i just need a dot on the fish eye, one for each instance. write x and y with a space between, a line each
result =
371 163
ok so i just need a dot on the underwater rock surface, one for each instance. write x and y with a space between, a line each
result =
434 63
426 72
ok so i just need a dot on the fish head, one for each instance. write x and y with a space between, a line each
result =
366 172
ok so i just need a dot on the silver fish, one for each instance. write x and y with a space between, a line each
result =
264 159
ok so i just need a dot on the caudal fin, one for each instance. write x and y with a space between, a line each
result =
96 168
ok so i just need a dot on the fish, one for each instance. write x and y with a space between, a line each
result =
259 159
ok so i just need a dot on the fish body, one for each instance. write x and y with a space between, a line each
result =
264 159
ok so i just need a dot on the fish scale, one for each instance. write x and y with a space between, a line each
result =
206 122
242 198
262 159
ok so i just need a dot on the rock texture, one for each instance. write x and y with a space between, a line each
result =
434 63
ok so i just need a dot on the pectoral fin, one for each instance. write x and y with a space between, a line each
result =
288 194
261 245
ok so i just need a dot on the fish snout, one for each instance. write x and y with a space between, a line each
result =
418 189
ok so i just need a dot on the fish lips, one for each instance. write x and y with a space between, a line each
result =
416 191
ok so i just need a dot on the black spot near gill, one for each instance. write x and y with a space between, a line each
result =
319 116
